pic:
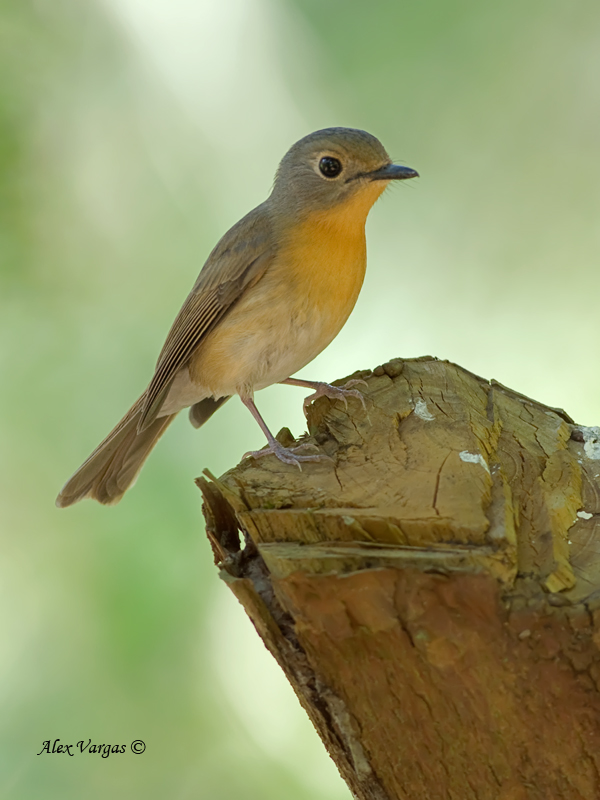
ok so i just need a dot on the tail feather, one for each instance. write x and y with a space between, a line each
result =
204 409
114 465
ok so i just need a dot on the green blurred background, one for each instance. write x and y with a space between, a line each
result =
133 133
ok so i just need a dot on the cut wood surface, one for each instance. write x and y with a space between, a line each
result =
432 592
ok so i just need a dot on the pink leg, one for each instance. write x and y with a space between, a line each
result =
327 390
285 454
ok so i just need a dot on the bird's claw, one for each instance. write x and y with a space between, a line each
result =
288 455
336 393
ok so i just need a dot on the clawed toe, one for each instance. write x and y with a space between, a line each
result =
354 382
336 393
288 455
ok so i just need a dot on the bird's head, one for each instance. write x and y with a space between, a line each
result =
334 167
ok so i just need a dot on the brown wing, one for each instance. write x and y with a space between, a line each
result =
238 261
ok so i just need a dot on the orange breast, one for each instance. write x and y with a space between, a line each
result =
327 254
294 311
329 267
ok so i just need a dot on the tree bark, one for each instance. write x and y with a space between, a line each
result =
433 592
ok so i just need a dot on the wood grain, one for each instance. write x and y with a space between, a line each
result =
433 592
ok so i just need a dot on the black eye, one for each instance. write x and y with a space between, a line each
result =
330 167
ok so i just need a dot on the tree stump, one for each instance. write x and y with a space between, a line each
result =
432 593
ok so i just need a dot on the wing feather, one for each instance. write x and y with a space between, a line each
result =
238 261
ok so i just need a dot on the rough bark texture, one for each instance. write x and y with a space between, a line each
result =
433 592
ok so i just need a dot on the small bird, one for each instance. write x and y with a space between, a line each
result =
274 292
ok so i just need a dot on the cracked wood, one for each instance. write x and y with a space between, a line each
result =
434 594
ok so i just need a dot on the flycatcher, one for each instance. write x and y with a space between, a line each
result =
273 293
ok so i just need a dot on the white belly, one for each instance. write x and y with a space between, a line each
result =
259 355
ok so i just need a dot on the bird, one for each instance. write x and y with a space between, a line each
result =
273 293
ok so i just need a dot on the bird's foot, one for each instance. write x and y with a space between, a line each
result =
289 455
335 393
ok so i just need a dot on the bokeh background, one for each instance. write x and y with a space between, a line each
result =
133 133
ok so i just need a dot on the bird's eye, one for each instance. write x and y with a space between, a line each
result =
330 167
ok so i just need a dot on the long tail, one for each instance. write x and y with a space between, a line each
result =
115 463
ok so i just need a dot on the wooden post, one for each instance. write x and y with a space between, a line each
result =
433 592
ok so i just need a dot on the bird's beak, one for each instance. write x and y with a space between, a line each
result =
393 172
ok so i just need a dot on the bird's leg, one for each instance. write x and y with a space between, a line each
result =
288 455
327 390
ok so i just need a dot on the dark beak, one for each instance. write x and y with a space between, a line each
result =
393 172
